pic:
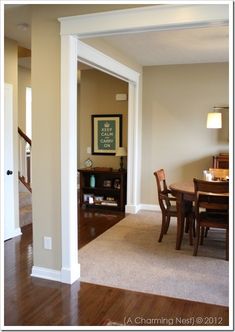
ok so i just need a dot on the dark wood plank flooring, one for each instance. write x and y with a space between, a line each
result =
37 302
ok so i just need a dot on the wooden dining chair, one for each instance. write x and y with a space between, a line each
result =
165 201
211 208
218 174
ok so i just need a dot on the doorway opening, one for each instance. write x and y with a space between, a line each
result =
73 50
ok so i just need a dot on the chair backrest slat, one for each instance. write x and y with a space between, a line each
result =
211 195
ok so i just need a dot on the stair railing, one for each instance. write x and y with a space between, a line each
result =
25 164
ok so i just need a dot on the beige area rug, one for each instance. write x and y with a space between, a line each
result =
128 256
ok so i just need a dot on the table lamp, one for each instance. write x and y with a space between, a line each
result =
121 152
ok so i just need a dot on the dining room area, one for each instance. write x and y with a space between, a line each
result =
177 100
150 251
180 252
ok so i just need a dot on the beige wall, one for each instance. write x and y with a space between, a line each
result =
176 100
24 80
11 77
97 93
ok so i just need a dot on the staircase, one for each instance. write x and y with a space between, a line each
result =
25 190
24 159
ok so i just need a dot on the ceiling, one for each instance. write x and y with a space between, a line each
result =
16 15
174 47
198 45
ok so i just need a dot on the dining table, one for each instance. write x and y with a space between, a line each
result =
184 193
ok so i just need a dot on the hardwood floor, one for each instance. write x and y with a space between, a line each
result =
37 302
94 222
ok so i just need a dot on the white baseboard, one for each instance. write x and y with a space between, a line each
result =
44 273
67 276
149 207
133 209
15 232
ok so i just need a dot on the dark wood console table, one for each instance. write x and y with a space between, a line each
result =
108 191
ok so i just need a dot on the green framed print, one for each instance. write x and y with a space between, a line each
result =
106 133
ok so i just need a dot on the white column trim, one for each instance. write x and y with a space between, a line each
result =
70 270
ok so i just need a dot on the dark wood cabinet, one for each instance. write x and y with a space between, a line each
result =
105 190
221 161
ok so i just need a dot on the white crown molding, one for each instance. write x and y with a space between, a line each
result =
148 18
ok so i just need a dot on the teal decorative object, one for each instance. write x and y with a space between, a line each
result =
92 181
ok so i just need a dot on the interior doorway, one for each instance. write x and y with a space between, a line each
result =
73 50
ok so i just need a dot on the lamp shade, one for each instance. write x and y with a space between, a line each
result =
214 120
121 152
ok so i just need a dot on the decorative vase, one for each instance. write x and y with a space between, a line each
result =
92 181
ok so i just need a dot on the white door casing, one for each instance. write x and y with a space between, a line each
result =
9 198
72 50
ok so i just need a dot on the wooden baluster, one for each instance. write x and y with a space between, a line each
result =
25 165
24 161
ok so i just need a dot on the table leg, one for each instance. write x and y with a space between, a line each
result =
180 220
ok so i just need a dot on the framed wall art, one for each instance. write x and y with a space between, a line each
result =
106 133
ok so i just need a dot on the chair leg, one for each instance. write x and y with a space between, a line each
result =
207 229
202 235
162 228
190 229
167 224
187 224
196 241
194 228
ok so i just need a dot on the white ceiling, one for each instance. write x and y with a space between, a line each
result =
14 15
199 45
175 47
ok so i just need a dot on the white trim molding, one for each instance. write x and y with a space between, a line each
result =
149 207
71 51
69 218
16 232
149 18
103 62
44 273
64 275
